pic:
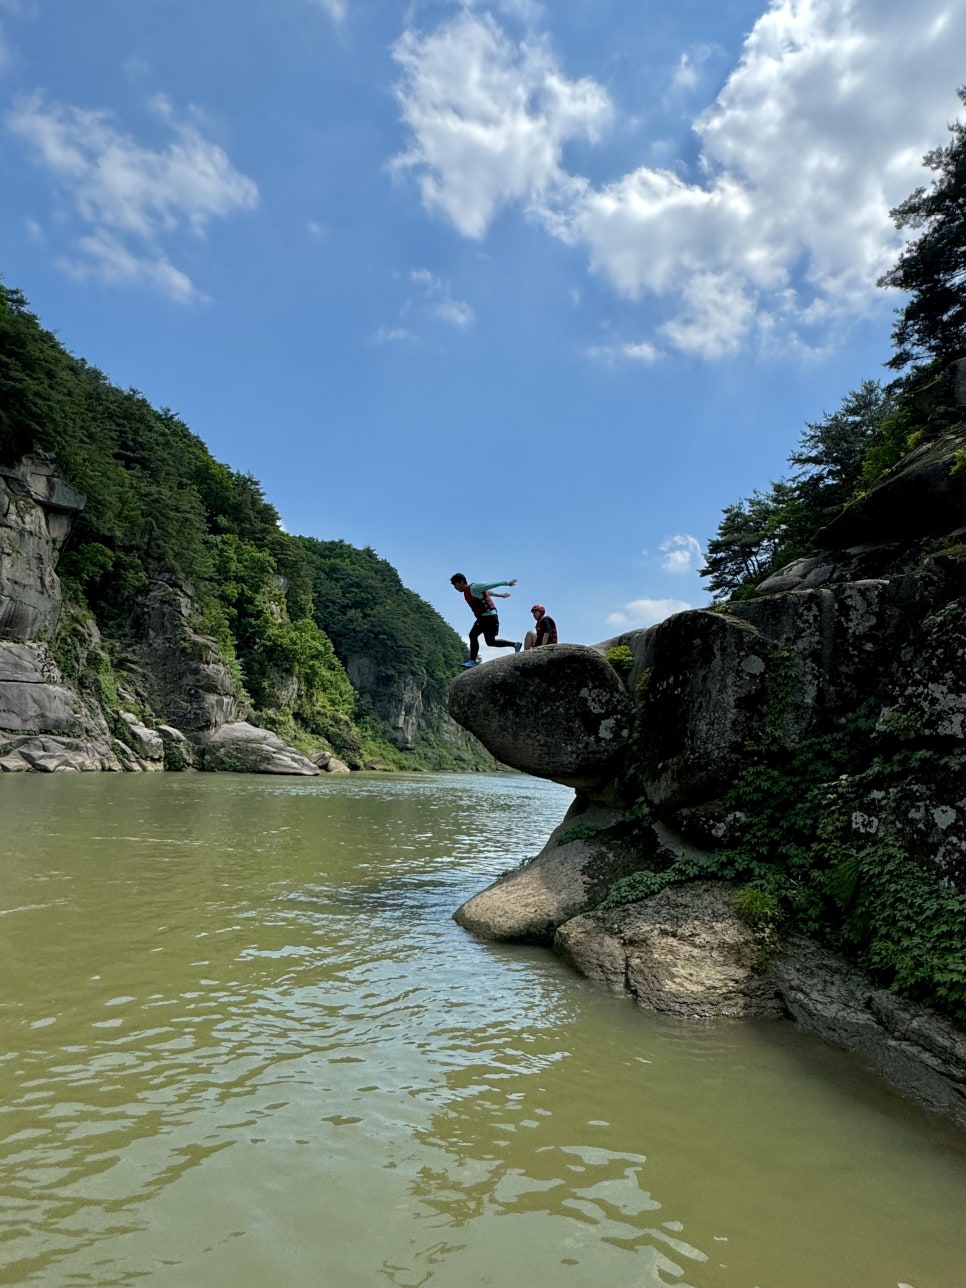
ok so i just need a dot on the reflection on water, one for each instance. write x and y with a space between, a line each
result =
243 1043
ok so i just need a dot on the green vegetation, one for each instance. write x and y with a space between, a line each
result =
839 456
851 449
800 847
579 832
621 659
289 614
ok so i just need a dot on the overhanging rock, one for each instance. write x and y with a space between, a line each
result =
558 712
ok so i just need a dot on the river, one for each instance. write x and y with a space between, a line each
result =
243 1043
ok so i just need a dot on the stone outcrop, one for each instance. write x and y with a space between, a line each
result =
243 748
683 952
558 712
861 644
179 706
182 672
37 509
916 1051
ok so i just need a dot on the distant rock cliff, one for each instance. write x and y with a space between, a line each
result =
808 742
179 706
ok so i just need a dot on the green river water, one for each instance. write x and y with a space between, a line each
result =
243 1043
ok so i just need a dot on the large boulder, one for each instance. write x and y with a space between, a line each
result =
592 848
34 698
683 952
558 712
243 748
704 679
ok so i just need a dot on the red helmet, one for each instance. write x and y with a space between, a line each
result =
538 608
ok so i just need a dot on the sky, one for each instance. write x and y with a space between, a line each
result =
500 287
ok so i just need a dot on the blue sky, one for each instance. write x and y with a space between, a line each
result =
509 288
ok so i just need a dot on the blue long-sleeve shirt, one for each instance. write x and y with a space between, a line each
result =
478 587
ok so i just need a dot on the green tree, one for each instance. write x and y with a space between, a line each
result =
931 326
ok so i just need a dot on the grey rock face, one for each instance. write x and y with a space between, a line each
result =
705 699
33 696
241 747
922 496
557 712
683 952
50 755
36 513
400 704
915 1051
178 753
928 695
187 682
147 744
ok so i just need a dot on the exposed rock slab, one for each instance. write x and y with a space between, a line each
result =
50 755
924 494
583 857
34 697
914 1050
36 512
558 712
683 952
243 748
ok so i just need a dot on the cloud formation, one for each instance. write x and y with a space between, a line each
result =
682 553
782 229
129 197
440 299
488 119
646 612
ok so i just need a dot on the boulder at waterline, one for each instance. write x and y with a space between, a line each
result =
558 712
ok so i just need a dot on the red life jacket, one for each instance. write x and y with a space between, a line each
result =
550 630
479 606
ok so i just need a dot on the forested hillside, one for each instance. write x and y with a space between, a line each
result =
293 617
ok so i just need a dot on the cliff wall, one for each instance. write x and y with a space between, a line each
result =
803 752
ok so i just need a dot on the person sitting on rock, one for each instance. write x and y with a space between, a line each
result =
544 628
487 624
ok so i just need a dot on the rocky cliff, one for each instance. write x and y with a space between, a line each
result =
170 702
771 800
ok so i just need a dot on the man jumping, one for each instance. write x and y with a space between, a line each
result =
487 624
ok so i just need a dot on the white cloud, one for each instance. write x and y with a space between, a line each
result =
641 351
488 119
687 71
131 196
440 300
646 612
784 228
681 553
392 335
105 258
